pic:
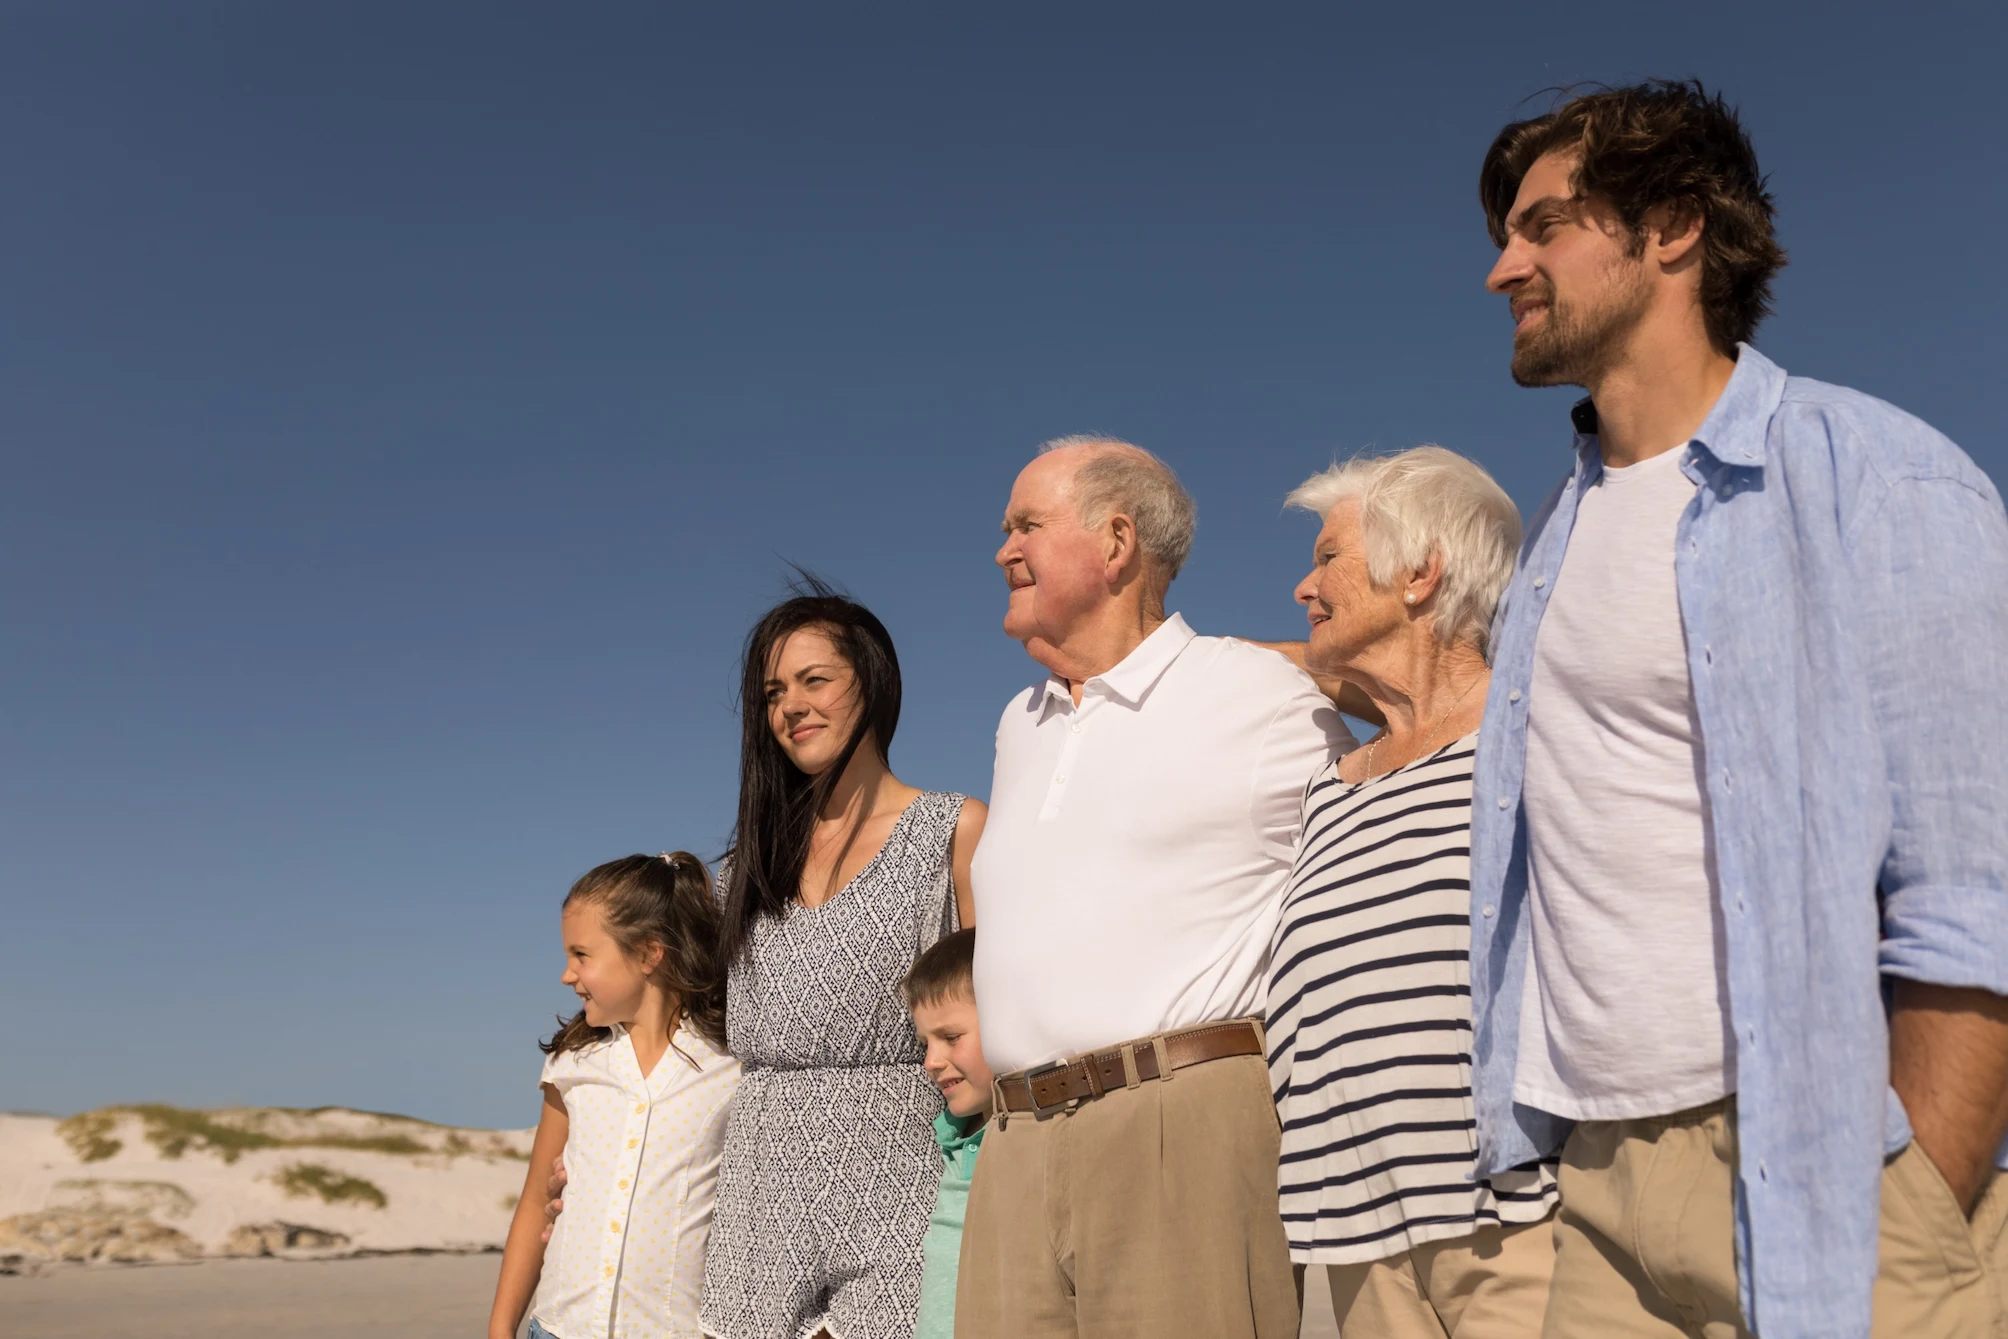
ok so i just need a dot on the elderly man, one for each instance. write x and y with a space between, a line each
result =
1143 819
1739 881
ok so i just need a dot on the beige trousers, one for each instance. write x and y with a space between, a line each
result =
1147 1213
1644 1244
1492 1284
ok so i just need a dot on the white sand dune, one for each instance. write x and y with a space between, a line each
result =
156 1184
395 1296
188 1187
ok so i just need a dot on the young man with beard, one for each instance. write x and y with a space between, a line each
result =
1739 857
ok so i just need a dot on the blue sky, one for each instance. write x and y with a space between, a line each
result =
406 408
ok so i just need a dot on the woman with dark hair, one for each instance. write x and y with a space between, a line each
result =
840 876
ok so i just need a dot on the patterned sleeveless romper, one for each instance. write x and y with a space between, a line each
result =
830 1164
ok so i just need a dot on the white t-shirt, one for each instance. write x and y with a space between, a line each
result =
1626 1010
1133 864
626 1258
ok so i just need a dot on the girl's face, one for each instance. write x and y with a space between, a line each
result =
610 984
812 699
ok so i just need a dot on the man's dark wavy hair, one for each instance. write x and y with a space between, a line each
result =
1668 143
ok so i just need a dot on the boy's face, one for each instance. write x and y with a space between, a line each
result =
947 1027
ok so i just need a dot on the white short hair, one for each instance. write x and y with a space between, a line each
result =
1422 501
1129 480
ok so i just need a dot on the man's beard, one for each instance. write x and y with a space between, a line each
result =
1574 347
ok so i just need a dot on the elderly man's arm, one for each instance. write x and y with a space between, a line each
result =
1938 551
1346 697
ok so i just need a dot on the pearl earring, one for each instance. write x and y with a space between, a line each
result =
1410 597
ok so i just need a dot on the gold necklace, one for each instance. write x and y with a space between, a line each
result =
1428 739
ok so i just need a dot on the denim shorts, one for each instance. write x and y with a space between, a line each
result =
539 1332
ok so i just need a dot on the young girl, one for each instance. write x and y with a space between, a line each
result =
635 1095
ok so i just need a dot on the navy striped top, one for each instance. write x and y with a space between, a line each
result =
1370 1021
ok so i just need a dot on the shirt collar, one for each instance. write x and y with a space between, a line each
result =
656 1079
955 1133
1735 430
1135 674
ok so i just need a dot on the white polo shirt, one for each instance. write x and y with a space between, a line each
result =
626 1259
1133 864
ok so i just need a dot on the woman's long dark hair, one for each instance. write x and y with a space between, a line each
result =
778 803
657 899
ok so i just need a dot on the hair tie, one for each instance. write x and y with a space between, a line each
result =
668 859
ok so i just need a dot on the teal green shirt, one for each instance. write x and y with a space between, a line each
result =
961 1138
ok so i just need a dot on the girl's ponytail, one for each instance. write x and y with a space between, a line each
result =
666 900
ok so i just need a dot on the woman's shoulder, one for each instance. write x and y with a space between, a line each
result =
941 812
1442 775
1327 780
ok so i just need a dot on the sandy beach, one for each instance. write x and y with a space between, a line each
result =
406 1296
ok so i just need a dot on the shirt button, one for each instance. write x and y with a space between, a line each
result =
1075 727
1763 1171
1060 780
1503 801
1540 582
1513 696
1488 913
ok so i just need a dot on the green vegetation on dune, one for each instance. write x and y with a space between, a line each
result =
174 1131
89 1135
363 1143
123 1199
310 1179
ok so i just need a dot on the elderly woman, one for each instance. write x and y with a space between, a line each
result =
1370 988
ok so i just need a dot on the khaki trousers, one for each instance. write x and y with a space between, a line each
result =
1492 1284
1644 1246
1147 1213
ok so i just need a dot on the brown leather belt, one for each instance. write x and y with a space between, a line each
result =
1045 1089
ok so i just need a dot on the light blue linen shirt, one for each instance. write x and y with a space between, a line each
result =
1843 582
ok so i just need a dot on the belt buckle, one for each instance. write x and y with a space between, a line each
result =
1033 1074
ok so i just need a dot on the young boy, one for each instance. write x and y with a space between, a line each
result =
943 1000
